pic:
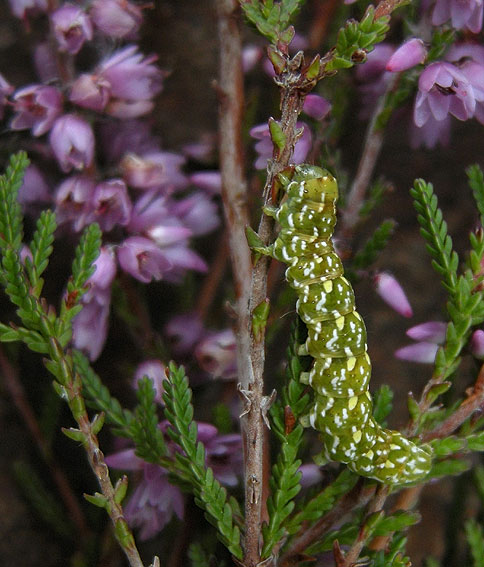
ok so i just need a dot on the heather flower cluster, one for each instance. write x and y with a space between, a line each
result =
451 87
111 169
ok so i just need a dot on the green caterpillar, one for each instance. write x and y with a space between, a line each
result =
340 374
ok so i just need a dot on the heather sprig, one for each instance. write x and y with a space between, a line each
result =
44 332
271 18
371 249
209 494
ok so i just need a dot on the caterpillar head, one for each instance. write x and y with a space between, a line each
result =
312 183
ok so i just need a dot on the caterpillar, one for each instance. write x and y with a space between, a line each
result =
342 410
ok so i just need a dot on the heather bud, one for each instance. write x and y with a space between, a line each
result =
477 344
411 53
392 293
423 352
316 106
431 331
154 370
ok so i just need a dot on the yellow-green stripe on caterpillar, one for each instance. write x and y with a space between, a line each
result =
342 410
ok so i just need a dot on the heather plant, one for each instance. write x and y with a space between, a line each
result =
202 452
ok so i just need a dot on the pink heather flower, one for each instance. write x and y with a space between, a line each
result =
72 27
20 8
116 18
251 55
430 331
460 52
464 14
423 352
433 132
204 150
316 106
154 170
182 259
310 474
264 146
224 453
155 370
90 91
110 205
72 200
90 326
103 276
6 89
184 332
72 141
126 136
151 209
127 109
198 213
34 188
155 500
132 76
411 53
443 90
477 344
474 72
392 293
216 354
210 181
37 107
143 259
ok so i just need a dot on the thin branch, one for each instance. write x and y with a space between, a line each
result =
369 157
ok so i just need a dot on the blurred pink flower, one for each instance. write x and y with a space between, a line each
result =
72 198
143 259
72 27
155 370
36 107
116 18
316 106
430 331
110 205
132 77
6 89
21 8
90 91
210 181
464 14
154 170
216 354
477 344
72 141
198 213
423 352
184 332
154 501
392 293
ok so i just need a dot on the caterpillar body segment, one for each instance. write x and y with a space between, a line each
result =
342 410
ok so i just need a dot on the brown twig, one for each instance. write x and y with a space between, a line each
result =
211 283
369 157
234 196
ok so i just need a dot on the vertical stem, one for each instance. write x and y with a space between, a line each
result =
234 191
